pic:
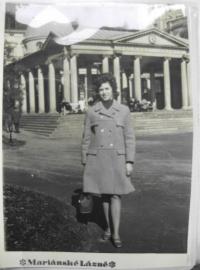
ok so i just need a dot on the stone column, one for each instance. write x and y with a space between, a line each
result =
31 91
86 88
105 64
52 88
130 80
116 71
41 102
167 87
74 79
23 88
148 80
137 78
124 80
66 69
184 84
188 85
152 86
89 80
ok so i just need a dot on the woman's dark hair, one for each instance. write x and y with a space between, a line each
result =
106 78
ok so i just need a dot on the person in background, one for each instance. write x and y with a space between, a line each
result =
65 107
16 115
81 104
91 101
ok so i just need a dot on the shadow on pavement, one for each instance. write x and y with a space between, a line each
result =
11 142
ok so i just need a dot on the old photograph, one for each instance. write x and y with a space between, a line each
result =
97 128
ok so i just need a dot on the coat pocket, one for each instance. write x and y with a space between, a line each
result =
93 126
120 124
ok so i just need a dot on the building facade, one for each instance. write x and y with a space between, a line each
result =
148 62
173 22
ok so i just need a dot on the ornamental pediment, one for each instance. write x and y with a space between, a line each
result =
154 37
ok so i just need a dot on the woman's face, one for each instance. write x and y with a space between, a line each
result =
105 91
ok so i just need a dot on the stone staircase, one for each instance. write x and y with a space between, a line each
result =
41 124
71 126
159 122
163 122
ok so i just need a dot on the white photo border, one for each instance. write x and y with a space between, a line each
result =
128 261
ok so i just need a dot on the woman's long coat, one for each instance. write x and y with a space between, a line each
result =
108 143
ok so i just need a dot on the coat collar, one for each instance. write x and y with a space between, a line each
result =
98 107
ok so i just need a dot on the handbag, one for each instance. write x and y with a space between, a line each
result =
85 203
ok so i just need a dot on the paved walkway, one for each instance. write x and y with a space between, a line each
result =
154 217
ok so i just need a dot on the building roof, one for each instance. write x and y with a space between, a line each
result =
111 34
156 31
64 29
60 29
90 34
105 34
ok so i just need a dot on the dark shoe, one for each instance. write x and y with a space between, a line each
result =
117 242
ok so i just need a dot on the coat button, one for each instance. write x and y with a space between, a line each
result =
102 130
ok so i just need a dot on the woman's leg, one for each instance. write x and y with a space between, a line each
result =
116 213
106 209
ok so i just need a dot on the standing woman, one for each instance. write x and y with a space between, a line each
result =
108 151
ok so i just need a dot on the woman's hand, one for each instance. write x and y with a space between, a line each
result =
129 168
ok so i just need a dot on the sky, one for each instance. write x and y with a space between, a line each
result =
137 16
91 18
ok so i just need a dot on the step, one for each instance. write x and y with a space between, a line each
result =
37 131
38 125
49 120
44 129
39 121
40 117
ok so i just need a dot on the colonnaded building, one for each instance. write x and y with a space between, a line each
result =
149 61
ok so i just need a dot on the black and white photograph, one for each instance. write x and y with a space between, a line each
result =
97 131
